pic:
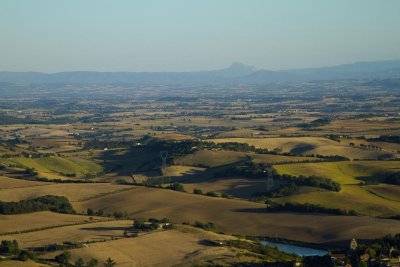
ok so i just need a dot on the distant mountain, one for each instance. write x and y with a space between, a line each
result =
236 73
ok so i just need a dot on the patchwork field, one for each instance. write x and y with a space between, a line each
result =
309 146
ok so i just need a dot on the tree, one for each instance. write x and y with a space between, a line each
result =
197 191
79 263
9 247
63 258
92 263
109 263
90 212
23 256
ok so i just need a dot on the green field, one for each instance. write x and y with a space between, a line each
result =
55 165
375 201
344 172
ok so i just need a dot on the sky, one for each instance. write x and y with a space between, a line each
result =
188 35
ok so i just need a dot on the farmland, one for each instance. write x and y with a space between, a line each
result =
289 168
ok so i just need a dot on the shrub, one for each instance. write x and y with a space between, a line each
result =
212 194
176 187
197 191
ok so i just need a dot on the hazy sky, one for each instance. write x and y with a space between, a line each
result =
184 35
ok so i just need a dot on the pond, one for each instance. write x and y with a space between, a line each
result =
296 249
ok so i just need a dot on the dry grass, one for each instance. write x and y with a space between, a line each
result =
36 220
391 192
7 183
165 248
361 127
237 187
240 217
15 263
74 192
96 231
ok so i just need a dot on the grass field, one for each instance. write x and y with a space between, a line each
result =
240 217
344 172
209 158
7 183
36 220
351 197
74 192
16 263
52 167
233 186
376 201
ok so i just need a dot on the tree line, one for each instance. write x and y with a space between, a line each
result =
58 204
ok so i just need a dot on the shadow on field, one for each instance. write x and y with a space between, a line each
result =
302 148
252 210
132 160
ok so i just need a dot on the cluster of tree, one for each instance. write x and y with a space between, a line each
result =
176 187
11 248
64 259
210 193
283 190
316 261
364 146
386 138
269 253
91 212
315 123
151 224
31 171
56 247
307 207
101 144
208 226
35 155
387 178
58 204
375 253
61 181
313 181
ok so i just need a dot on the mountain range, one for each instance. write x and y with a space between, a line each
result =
236 73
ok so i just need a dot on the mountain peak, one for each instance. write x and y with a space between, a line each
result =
241 66
236 69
